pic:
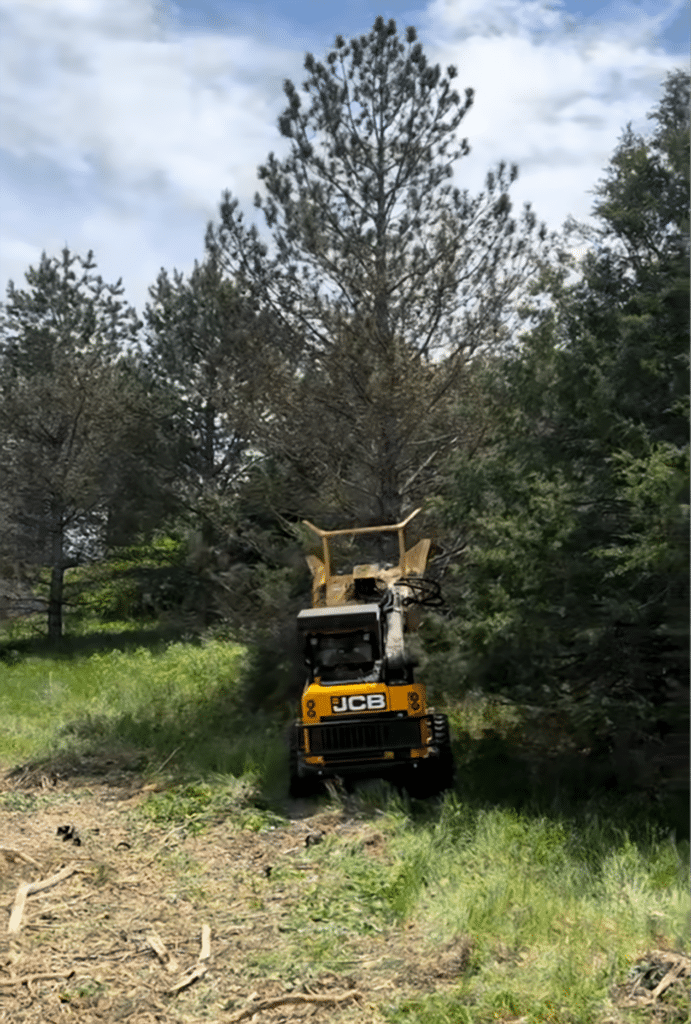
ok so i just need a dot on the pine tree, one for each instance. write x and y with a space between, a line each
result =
575 583
64 423
202 353
386 277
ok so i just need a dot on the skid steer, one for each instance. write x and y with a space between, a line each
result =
362 713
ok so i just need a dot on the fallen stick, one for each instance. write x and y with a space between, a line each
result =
18 908
201 967
11 854
48 883
270 1004
35 977
197 972
29 888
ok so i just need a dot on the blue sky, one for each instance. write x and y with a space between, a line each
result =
122 121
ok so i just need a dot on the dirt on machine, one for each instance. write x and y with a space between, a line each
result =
362 713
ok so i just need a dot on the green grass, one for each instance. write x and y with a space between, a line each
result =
178 699
195 805
553 901
571 903
555 913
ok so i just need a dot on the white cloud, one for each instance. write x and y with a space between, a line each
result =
117 105
120 129
17 251
472 18
640 22
100 88
550 95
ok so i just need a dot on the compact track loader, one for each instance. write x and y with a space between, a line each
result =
362 713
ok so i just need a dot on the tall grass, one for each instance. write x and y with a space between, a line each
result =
553 915
181 698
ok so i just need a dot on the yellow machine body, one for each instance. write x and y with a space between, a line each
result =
361 710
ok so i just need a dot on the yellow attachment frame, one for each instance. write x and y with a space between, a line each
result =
331 590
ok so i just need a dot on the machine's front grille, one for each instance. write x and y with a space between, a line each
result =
371 736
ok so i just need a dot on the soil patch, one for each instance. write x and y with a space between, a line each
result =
121 938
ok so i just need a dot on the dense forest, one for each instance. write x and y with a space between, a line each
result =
382 340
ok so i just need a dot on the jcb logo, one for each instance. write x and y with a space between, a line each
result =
358 702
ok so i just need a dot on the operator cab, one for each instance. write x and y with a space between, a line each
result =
341 657
342 644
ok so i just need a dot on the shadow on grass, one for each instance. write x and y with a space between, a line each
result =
73 645
221 737
231 731
499 771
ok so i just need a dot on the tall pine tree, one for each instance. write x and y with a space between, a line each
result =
203 353
67 425
386 277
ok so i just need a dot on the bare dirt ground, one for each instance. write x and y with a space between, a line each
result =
155 924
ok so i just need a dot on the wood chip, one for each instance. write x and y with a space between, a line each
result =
270 1004
206 943
14 855
28 888
163 954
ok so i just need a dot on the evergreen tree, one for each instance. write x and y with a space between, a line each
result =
66 420
385 277
574 590
203 353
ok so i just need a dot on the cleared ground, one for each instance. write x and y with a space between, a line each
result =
87 947
183 923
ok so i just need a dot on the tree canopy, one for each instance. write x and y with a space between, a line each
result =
66 427
385 276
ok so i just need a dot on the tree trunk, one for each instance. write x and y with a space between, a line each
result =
55 602
389 497
209 441
56 578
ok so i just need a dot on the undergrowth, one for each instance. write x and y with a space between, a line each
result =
196 805
542 907
178 705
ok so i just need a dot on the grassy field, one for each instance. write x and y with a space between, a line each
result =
120 694
508 900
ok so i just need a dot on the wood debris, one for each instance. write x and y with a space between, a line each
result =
188 979
14 855
163 954
205 952
29 888
18 908
270 1004
59 876
668 980
26 979
679 966
200 968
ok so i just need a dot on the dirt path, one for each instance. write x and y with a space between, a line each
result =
120 939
